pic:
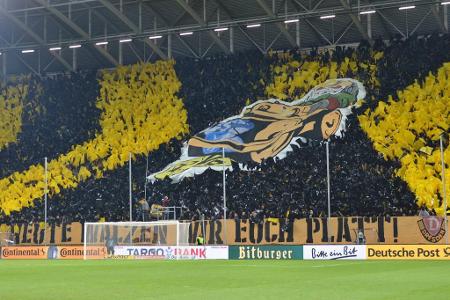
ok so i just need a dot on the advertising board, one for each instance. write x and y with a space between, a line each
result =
171 252
275 252
77 252
333 252
24 252
412 252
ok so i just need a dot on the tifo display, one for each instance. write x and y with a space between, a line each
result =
287 156
194 149
287 130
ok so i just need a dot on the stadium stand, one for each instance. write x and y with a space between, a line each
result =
86 128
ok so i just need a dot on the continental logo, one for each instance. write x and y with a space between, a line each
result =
78 252
418 252
24 252
432 228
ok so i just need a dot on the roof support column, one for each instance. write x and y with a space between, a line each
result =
74 59
45 28
90 22
204 11
232 39
4 70
140 16
169 46
445 18
39 62
120 54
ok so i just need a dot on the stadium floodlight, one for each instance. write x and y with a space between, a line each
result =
291 21
28 51
367 12
154 37
156 237
101 43
75 46
125 41
253 25
406 7
186 33
445 3
55 49
328 17
221 29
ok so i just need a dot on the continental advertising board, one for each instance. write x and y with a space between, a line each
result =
314 231
408 252
264 252
24 252
51 252
76 252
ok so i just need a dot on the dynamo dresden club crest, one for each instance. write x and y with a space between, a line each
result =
432 228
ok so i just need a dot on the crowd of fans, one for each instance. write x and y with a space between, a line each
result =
409 129
362 182
58 112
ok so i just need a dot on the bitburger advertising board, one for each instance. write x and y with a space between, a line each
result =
409 252
334 252
266 252
172 252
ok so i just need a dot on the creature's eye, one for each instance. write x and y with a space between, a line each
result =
264 107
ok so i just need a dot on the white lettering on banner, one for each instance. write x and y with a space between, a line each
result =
170 252
333 252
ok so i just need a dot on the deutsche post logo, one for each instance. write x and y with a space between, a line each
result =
432 228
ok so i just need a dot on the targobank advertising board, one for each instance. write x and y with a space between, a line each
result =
171 252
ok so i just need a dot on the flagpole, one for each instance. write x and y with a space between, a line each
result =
145 182
45 198
443 187
130 187
224 195
328 187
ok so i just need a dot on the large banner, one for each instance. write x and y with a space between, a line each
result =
377 230
268 128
